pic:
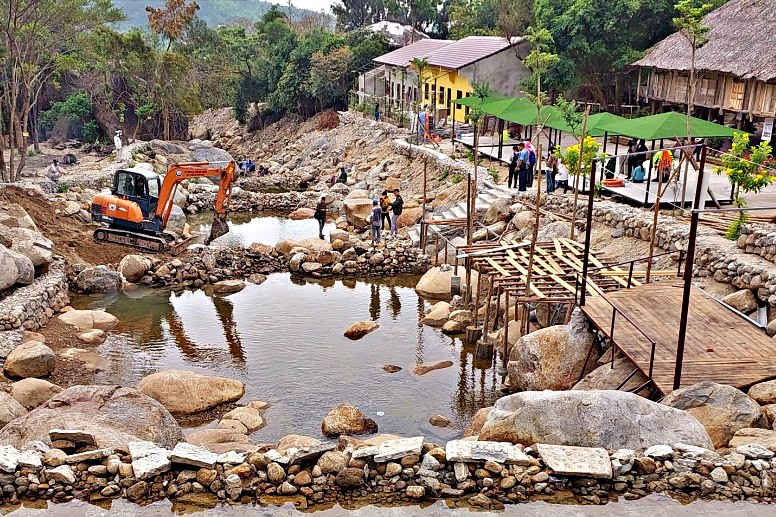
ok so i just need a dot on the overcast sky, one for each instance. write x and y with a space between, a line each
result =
315 5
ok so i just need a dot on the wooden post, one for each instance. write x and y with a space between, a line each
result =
436 250
505 336
649 175
588 235
487 306
688 268
578 172
536 222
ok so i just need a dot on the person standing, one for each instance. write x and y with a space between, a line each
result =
320 215
376 220
633 158
522 167
552 169
377 112
562 177
385 206
117 142
530 162
513 171
396 208
641 152
422 115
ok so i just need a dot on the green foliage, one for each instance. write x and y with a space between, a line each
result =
493 173
480 91
90 131
353 14
419 14
589 151
733 231
539 60
571 114
444 174
690 20
63 188
473 18
747 167
457 178
75 108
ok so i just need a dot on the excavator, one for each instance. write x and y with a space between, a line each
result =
136 211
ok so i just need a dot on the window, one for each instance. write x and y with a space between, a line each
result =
736 97
153 187
449 97
441 99
768 102
466 111
125 184
707 90
425 92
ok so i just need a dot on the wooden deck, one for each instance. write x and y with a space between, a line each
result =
720 345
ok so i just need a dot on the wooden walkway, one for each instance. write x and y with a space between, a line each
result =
720 346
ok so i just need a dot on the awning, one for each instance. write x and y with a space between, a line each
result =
664 126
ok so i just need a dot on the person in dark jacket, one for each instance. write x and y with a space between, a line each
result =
396 208
320 215
513 172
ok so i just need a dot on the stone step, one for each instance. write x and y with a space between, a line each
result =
487 196
458 211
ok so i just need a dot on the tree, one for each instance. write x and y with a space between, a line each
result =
690 24
329 77
41 38
473 18
171 20
598 39
420 66
354 14
418 14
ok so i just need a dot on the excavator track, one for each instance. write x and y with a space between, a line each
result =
140 241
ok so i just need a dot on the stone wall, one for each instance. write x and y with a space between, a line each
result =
202 196
759 239
395 471
715 256
32 306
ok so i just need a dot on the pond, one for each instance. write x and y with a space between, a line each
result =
655 505
284 340
246 228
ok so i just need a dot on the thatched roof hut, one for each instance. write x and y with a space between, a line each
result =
740 43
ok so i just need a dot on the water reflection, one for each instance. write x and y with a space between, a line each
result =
247 228
284 339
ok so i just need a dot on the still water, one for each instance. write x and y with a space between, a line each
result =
284 340
245 229
653 505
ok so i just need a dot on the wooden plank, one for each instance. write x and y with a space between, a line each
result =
558 250
517 266
501 270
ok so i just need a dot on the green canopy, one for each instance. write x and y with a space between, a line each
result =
473 101
664 126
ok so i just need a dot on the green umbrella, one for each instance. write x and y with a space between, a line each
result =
665 126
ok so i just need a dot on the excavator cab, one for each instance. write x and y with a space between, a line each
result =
139 186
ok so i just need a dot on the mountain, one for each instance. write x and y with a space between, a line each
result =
213 12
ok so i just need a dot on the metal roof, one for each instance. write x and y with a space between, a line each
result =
420 49
466 51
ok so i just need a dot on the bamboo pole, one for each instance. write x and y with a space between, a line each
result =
536 221
655 211
578 171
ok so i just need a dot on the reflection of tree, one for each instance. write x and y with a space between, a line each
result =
419 348
394 302
473 391
225 311
374 302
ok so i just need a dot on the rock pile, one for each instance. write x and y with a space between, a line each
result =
32 306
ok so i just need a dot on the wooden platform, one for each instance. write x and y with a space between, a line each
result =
720 346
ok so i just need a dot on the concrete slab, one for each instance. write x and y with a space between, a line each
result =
591 462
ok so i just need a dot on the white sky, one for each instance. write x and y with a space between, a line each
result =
315 5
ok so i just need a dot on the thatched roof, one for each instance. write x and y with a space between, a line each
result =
740 43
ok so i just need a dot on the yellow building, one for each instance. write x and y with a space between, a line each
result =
452 68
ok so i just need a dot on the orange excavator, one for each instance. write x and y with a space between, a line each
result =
136 211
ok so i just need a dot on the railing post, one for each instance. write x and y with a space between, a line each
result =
652 359
611 334
679 264
630 274
588 232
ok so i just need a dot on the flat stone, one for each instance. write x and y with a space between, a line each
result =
148 459
283 459
30 459
696 453
62 474
365 452
468 451
659 452
764 437
461 472
194 455
395 449
231 457
9 459
95 455
72 435
755 451
309 454
567 460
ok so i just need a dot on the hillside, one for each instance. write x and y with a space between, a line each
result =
214 12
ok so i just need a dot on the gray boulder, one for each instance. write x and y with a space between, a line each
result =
114 415
607 418
177 221
9 273
32 245
98 279
722 409
10 409
25 268
551 358
30 359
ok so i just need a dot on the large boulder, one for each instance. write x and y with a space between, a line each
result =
32 245
134 267
438 315
87 319
552 358
24 266
98 279
610 377
228 286
358 207
607 418
30 359
409 217
177 221
31 392
743 301
222 440
13 215
9 273
497 211
184 392
435 283
10 409
478 420
764 392
301 213
347 419
112 414
722 409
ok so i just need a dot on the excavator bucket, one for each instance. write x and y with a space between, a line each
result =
217 229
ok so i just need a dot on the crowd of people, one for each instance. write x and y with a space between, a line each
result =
386 209
522 167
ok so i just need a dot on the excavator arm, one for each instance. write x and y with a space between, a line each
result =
183 171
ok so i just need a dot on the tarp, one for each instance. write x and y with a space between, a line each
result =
664 126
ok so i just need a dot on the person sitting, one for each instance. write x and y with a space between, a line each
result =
343 176
54 171
638 174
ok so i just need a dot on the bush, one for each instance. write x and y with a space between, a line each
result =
63 188
456 178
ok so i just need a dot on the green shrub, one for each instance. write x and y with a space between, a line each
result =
62 188
456 178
